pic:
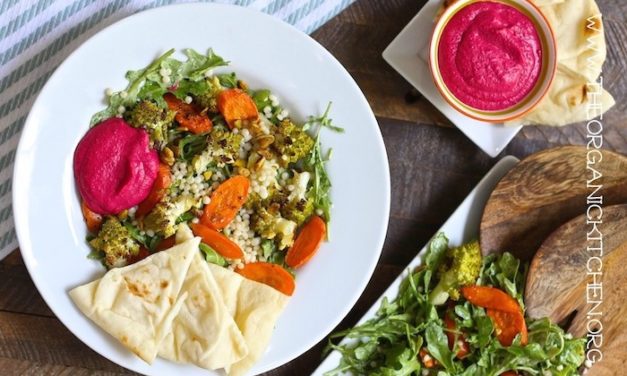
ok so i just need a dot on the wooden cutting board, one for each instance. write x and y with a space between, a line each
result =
544 191
558 279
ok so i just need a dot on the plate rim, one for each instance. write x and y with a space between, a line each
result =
20 217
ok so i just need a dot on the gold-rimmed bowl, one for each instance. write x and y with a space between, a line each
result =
542 84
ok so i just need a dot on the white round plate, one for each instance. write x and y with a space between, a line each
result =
265 52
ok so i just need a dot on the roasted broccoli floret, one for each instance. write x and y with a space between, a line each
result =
297 206
225 144
268 222
298 210
291 142
153 118
208 100
116 242
464 268
162 218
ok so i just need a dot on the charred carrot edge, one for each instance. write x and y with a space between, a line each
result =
225 202
188 116
93 220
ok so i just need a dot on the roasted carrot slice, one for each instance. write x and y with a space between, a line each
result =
92 220
225 202
235 104
507 325
220 243
269 274
462 345
158 191
307 242
166 243
188 116
490 297
509 373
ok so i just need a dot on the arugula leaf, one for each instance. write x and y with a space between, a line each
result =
228 80
315 163
402 324
148 83
211 255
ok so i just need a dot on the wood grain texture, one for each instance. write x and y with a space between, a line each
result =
560 274
432 168
543 192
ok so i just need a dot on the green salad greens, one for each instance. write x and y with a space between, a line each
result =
216 138
418 333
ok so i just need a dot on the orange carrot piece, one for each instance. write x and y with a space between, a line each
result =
490 297
225 202
166 243
307 242
462 345
269 274
188 116
509 373
427 360
92 220
507 325
220 243
236 104
158 191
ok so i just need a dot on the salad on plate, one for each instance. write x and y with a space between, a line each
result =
201 197
182 145
459 313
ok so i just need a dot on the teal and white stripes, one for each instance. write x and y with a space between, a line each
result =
36 36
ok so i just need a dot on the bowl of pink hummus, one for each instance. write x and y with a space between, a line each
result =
493 60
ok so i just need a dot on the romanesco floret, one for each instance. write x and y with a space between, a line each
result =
225 144
298 210
291 142
268 222
465 266
208 99
153 118
162 218
116 242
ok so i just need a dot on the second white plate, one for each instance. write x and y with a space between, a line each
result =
461 227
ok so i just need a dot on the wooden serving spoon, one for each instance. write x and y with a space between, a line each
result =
558 286
544 191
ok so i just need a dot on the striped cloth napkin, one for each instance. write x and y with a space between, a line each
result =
36 36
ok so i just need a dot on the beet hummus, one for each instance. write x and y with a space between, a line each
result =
490 56
114 166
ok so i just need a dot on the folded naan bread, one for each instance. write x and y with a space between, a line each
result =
581 52
203 333
136 304
255 308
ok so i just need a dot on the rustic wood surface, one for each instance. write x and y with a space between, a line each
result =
433 167
556 286
543 192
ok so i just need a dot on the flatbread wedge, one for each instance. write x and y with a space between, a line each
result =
581 52
136 304
255 308
203 333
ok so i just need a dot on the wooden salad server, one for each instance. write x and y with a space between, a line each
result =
544 191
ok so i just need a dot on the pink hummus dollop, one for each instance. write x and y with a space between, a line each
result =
490 55
114 166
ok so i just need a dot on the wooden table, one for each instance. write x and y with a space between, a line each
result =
433 167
